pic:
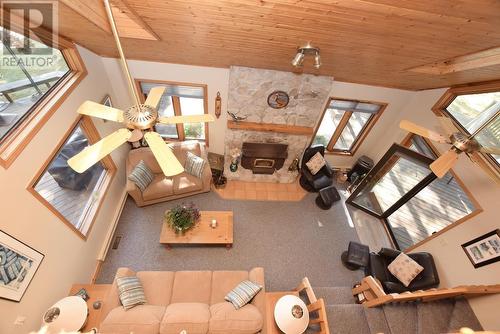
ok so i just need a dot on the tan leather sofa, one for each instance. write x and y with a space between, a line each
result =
168 188
186 300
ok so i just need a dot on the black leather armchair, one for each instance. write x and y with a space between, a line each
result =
377 268
321 179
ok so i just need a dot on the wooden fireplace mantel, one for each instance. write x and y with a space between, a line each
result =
282 128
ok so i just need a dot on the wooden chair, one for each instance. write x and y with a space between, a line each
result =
315 305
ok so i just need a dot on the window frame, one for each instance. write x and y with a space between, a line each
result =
365 130
93 136
13 144
439 109
176 105
406 142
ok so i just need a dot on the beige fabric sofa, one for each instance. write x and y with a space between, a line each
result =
168 188
186 300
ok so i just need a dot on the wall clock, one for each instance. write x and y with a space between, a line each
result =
278 99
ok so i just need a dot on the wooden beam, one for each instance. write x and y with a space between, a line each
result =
281 128
92 10
471 61
137 27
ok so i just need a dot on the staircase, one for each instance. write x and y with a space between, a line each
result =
441 316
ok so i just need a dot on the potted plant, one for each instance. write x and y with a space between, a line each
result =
182 217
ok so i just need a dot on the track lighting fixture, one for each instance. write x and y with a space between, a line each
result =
307 49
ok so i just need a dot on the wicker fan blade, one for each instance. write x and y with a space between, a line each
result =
444 163
186 119
447 125
490 150
92 154
476 158
163 153
94 109
421 131
154 96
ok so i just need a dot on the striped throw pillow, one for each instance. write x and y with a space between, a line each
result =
130 291
194 165
243 293
141 175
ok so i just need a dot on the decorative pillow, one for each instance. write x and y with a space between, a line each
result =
405 269
194 165
141 175
130 291
315 163
243 293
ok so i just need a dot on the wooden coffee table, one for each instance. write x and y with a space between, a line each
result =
202 233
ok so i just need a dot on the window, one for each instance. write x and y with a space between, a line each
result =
73 197
470 108
178 100
345 123
22 86
441 204
31 89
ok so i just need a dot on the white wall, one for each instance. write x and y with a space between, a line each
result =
215 78
453 265
68 259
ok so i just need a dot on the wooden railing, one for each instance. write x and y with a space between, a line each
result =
372 294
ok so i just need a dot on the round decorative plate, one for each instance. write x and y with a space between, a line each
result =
278 99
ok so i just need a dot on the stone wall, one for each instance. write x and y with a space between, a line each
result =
248 92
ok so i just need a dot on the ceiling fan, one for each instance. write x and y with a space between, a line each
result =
460 143
139 120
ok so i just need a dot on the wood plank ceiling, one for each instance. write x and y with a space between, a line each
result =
375 42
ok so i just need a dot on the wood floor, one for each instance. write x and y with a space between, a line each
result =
262 191
70 203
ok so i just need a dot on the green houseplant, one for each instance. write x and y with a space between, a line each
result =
182 217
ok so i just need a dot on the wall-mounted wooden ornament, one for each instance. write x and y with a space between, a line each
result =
218 105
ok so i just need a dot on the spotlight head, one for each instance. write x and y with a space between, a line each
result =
317 60
298 59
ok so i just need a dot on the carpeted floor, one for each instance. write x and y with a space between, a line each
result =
289 239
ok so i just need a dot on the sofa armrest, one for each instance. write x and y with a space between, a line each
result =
112 299
134 191
257 275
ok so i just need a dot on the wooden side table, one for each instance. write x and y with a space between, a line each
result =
96 292
271 300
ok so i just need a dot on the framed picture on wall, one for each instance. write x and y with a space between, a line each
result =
484 249
18 265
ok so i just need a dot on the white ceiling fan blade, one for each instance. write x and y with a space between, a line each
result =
186 119
447 125
476 158
490 150
421 131
98 110
444 163
92 154
154 96
163 153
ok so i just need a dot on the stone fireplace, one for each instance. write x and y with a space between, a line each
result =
291 127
